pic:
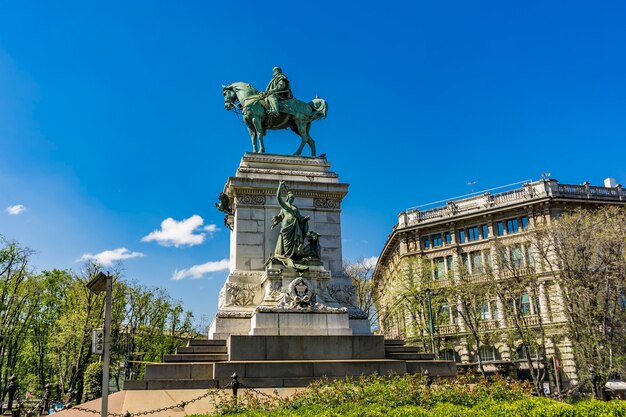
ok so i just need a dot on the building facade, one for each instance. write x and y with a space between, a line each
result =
472 242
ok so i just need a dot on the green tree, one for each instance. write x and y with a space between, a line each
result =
18 303
586 252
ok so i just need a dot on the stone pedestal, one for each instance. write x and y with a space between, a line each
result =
299 324
251 283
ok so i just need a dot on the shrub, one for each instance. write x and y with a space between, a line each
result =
408 395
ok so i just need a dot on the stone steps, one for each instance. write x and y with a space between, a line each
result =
186 370
171 384
406 356
206 342
307 369
196 357
184 350
285 361
411 349
394 342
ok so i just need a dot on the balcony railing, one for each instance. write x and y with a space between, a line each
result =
517 272
448 329
535 190
488 325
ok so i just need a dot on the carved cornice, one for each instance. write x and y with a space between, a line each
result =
241 191
250 199
326 203
285 159
248 170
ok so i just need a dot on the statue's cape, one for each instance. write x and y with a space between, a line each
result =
297 107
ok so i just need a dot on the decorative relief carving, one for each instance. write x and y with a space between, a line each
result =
251 199
297 193
234 314
289 172
343 294
326 203
237 295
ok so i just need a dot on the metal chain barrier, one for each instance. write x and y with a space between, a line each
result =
180 405
220 397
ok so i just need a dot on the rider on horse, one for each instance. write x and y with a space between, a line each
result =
277 89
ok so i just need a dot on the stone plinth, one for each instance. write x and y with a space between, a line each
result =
275 348
294 323
251 283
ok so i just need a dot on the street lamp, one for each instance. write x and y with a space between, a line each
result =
431 322
104 282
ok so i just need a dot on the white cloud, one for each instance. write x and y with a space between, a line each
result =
107 257
186 232
211 228
15 210
197 271
370 262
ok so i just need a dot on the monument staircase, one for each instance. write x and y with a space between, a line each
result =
285 361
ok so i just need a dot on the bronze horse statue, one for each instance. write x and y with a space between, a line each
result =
293 114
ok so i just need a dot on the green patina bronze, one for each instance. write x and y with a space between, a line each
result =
274 109
291 250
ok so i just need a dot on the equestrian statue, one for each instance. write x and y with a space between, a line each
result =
274 109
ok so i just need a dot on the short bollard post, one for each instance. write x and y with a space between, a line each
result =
429 380
45 408
11 388
235 384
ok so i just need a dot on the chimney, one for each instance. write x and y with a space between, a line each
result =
610 183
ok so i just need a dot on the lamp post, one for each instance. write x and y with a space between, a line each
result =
104 282
431 322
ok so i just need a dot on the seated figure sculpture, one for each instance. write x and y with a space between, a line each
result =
291 250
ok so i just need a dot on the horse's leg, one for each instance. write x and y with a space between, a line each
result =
257 120
311 141
253 138
301 125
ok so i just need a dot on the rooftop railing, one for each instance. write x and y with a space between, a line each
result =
529 191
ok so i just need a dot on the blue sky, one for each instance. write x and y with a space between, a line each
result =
112 120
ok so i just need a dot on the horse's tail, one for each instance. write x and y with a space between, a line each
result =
320 106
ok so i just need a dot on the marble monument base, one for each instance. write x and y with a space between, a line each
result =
294 323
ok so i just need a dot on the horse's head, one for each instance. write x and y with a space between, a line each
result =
230 96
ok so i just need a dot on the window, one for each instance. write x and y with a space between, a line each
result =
440 268
517 256
524 304
472 233
524 222
521 353
530 259
426 242
465 263
488 353
485 314
436 240
448 237
512 226
450 263
487 261
443 317
485 230
476 259
449 355
499 229
462 236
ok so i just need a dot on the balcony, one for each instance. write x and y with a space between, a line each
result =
488 325
448 329
517 272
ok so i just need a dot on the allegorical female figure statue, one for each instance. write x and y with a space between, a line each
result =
293 228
